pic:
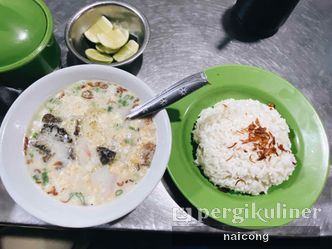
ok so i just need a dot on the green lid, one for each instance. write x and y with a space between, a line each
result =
25 29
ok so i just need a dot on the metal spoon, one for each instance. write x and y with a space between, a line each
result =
170 95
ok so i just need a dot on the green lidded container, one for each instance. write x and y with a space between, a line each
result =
28 49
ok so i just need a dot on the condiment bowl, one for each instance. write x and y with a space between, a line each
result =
124 14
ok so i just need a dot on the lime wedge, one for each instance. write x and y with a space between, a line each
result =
105 50
126 51
103 25
94 55
114 39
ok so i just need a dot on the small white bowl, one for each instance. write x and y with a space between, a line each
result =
14 172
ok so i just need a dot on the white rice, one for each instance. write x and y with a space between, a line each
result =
217 129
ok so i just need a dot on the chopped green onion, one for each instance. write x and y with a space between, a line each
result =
109 108
44 177
36 178
34 135
55 101
128 97
76 89
123 102
136 177
118 192
132 128
78 195
128 141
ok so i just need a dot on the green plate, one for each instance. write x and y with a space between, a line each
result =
283 203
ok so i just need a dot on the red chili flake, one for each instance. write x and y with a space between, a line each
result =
37 171
263 141
273 139
120 183
58 165
242 131
120 90
229 158
92 84
240 180
271 105
257 122
262 157
147 153
87 94
281 147
229 147
136 102
25 147
102 85
223 189
53 191
77 128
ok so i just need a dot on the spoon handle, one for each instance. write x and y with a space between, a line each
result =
170 95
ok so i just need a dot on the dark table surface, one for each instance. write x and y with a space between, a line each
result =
186 37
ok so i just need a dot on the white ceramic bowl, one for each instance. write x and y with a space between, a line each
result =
14 172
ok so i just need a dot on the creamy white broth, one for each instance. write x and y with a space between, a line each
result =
80 148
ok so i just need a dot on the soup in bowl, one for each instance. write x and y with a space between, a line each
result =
70 157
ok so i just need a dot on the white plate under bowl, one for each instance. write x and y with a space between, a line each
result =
14 172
